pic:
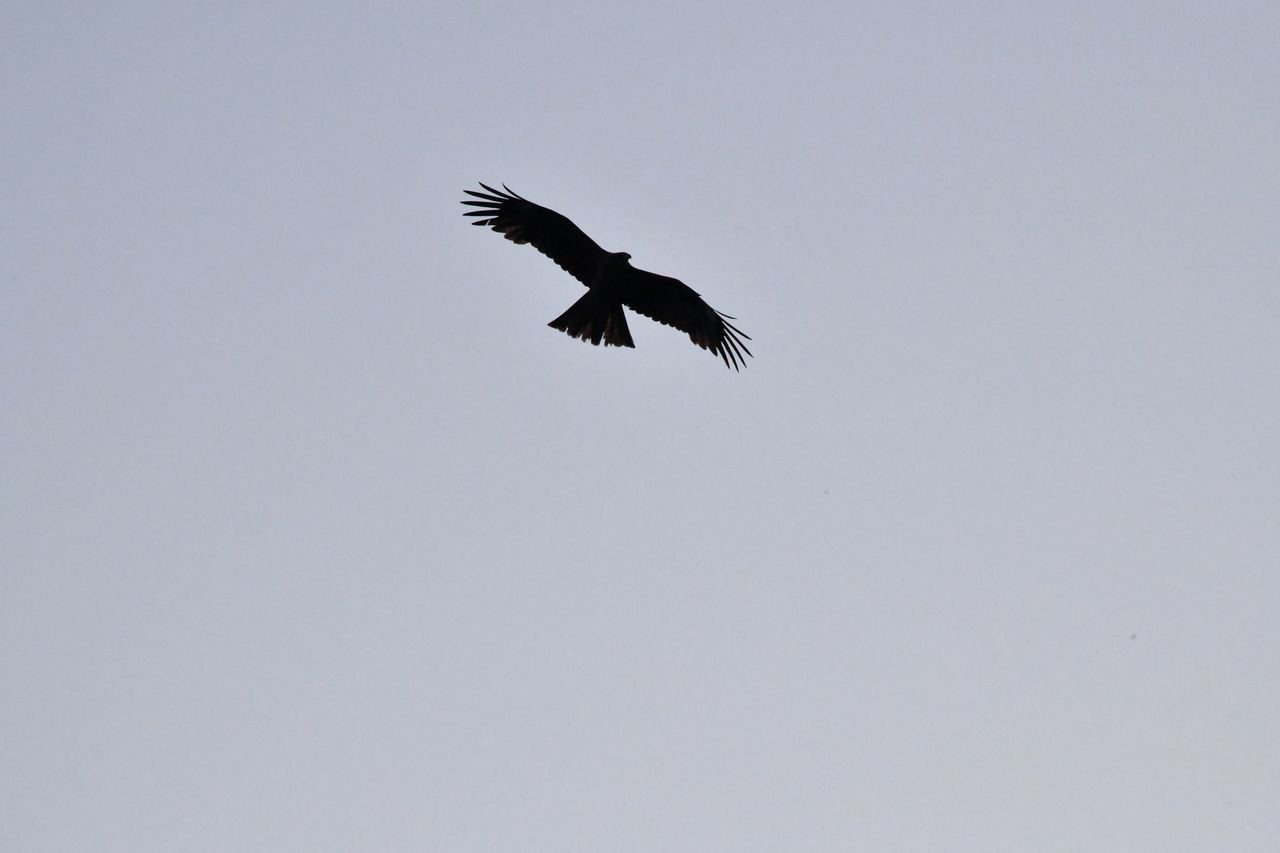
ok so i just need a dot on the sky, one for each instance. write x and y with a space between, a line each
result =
314 537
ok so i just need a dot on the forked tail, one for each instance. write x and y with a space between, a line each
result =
595 318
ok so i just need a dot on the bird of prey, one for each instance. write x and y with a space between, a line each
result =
610 279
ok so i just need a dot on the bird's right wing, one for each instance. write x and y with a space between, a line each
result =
522 221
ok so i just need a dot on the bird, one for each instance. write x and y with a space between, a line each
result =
610 279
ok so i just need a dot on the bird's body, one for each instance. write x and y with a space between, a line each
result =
610 279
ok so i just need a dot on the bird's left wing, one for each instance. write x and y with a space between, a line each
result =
673 303
554 235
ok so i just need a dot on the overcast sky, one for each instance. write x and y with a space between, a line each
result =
314 537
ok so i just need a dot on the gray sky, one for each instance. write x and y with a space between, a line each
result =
316 538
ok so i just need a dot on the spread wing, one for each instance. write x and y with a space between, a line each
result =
673 303
522 221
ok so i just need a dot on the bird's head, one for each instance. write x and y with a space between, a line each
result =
615 260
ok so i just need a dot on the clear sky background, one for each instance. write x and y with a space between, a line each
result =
316 538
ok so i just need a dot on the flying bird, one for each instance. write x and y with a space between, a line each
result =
610 279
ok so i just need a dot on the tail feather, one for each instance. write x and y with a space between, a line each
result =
594 318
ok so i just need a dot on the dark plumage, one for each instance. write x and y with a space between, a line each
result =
610 279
